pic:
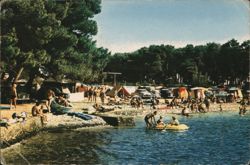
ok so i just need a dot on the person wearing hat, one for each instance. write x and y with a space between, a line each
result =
174 121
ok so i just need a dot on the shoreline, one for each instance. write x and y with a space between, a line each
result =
20 131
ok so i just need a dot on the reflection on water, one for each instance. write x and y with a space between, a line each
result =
218 138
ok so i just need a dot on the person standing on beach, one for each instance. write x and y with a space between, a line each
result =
207 103
115 95
94 94
13 95
90 94
184 111
50 96
102 96
220 106
150 119
153 103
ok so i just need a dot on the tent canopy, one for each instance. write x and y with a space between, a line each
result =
198 88
121 91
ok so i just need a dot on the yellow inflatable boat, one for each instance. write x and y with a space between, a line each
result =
172 127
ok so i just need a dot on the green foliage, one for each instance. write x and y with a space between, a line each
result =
54 34
196 65
57 34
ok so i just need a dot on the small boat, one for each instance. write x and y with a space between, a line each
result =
172 127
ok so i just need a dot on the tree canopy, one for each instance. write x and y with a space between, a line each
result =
54 34
195 65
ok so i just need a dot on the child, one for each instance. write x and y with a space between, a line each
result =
160 121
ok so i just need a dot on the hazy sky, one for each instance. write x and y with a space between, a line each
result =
127 25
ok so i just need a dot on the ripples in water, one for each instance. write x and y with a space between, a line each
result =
216 138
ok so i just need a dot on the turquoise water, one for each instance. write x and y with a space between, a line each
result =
216 138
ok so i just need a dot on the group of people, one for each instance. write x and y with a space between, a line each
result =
151 122
94 92
40 109
136 102
195 105
60 99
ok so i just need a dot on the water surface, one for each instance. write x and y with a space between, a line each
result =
215 138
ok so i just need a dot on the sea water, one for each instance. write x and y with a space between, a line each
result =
213 138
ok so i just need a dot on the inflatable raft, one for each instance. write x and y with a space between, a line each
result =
172 127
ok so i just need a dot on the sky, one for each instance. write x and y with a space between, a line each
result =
128 25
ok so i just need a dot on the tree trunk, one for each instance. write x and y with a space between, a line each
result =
18 74
29 84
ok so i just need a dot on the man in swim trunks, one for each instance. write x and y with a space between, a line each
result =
149 119
13 95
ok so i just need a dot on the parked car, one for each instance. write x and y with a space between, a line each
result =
166 93
222 95
144 94
209 94
156 94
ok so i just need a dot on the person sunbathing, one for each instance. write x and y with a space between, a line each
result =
62 101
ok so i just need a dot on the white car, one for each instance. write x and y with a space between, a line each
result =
143 93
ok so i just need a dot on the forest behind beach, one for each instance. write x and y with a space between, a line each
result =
55 39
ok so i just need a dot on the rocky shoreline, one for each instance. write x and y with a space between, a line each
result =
21 130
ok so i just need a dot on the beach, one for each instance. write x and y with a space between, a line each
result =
212 138
32 125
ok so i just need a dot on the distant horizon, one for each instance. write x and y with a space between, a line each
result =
127 25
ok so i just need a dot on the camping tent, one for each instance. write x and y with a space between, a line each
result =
198 92
236 92
121 91
129 90
180 92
